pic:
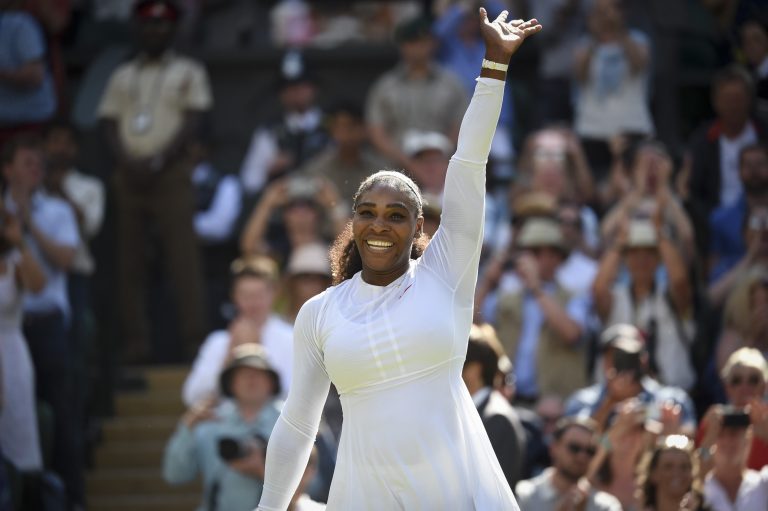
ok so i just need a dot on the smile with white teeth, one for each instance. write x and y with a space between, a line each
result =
379 244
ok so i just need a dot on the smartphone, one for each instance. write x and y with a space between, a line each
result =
735 418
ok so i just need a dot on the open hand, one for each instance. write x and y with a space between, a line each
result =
503 38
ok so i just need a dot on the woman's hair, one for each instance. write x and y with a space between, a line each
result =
745 357
345 258
646 489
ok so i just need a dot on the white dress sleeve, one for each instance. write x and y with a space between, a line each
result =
294 434
454 252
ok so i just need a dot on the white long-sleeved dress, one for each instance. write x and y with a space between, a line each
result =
411 438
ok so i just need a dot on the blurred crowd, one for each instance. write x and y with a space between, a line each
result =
618 356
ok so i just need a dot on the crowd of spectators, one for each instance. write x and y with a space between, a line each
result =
618 360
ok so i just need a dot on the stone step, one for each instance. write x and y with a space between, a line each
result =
145 481
150 403
122 455
166 377
139 428
143 502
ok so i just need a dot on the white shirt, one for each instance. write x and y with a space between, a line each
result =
87 192
305 503
730 182
55 218
752 495
203 379
218 222
625 109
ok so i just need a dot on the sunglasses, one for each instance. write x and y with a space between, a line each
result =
753 380
576 449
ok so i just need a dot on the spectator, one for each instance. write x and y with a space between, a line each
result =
429 153
416 95
151 110
566 22
227 445
27 95
218 203
86 196
19 272
293 212
480 374
460 47
754 44
254 282
308 273
51 233
564 486
744 377
553 162
738 284
625 378
349 159
756 334
612 68
578 271
714 148
668 474
651 168
730 485
728 250
630 431
541 324
284 145
663 311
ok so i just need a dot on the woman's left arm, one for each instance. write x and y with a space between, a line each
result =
455 251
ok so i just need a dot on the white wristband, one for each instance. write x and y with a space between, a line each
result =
489 64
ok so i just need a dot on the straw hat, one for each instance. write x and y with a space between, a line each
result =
541 232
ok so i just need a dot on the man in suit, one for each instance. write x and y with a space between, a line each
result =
481 375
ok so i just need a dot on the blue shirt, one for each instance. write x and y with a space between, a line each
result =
55 218
21 42
586 401
462 58
528 346
195 451
726 227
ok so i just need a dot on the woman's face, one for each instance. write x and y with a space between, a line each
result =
743 385
253 297
673 473
384 226
641 263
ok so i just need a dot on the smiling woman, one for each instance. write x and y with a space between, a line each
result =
385 233
392 336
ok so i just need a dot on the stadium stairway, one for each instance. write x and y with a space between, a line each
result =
126 472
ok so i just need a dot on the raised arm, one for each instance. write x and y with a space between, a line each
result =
455 250
294 434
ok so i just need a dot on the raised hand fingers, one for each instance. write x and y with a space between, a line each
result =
502 18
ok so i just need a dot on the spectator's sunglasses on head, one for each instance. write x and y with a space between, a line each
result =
577 449
753 379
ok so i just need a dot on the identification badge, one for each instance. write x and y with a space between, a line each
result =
142 122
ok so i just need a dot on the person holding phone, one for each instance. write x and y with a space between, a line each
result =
392 336
730 485
744 378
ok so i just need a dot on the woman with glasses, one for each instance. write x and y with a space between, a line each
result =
744 377
668 476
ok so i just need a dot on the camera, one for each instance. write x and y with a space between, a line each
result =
735 418
231 448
